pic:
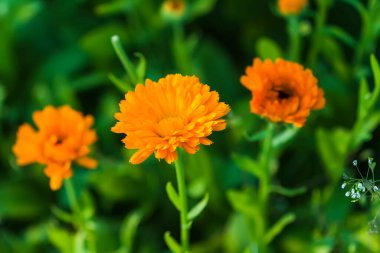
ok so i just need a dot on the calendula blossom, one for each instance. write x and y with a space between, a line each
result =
175 112
62 137
282 91
291 7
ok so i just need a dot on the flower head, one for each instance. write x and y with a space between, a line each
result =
291 7
282 91
63 137
175 112
173 9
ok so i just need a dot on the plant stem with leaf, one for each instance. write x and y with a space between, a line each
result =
75 208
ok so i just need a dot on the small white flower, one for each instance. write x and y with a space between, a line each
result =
348 194
363 189
353 195
358 195
375 188
360 185
355 162
352 191
343 185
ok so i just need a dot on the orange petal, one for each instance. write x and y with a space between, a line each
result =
87 162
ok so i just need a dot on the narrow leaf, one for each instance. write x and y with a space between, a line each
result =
248 164
141 67
173 196
62 215
364 95
121 85
279 226
172 243
198 208
288 192
129 228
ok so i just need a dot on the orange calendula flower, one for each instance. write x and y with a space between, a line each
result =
63 137
283 91
291 7
175 112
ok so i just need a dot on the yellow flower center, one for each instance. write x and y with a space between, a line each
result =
169 125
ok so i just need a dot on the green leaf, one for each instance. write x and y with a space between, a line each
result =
172 243
121 85
364 133
256 136
63 215
129 228
364 96
286 191
341 35
332 147
284 136
198 208
201 7
61 239
279 226
376 73
267 48
141 67
248 164
173 195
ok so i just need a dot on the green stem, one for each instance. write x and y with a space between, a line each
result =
295 39
180 173
125 61
74 205
73 202
264 189
317 36
265 156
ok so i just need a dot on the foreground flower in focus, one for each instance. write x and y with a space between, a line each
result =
291 7
177 111
282 91
63 137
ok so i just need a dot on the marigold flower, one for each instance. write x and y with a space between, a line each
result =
282 91
291 7
175 112
63 137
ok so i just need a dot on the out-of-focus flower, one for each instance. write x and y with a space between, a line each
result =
282 91
291 7
175 112
173 9
63 136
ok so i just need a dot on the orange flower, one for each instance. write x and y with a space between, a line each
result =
282 91
291 7
177 111
63 137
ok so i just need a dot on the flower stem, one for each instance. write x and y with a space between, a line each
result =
295 39
75 208
264 188
180 173
73 202
321 16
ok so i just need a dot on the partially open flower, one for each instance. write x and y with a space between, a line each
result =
63 137
173 10
291 7
282 91
175 112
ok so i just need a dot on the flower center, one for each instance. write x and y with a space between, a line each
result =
167 126
282 93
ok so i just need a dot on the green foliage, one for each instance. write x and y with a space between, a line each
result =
62 52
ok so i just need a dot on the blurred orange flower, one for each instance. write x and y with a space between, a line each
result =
63 137
177 111
282 91
291 7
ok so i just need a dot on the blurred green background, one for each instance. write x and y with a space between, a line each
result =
59 52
